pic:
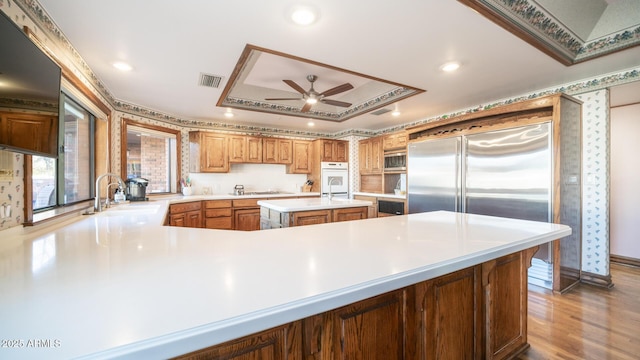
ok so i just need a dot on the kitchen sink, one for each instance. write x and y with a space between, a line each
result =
131 209
271 192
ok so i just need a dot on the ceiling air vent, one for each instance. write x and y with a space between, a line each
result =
380 112
209 80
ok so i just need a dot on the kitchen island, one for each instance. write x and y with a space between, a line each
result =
118 284
276 214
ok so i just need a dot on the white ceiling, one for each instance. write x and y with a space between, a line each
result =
170 43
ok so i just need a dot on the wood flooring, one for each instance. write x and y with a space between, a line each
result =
588 322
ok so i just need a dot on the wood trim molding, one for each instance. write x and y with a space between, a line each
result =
123 145
597 280
624 260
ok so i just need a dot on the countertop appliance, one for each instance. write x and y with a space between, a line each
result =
136 189
238 190
504 173
334 179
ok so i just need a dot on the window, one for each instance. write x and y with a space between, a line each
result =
151 152
68 179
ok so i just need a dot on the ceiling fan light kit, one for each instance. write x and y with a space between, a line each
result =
312 97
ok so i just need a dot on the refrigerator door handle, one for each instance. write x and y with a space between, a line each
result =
460 174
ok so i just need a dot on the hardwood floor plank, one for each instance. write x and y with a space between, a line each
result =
588 322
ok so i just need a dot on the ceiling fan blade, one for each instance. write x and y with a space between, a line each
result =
306 107
337 90
283 99
295 86
336 102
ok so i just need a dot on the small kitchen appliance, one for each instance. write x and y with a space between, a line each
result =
238 190
136 189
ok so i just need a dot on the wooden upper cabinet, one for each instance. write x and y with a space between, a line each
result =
29 133
277 151
301 163
208 152
397 141
332 150
371 156
245 149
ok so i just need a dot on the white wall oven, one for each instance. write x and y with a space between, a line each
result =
335 179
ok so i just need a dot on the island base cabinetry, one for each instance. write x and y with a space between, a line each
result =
475 313
273 219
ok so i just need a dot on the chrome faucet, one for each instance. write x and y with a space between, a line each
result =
331 183
97 206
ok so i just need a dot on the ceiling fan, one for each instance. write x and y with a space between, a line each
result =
312 97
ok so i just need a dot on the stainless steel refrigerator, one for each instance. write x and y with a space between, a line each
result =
504 173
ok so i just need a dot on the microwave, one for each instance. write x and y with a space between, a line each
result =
395 161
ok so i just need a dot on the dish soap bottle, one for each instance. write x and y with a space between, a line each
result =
119 196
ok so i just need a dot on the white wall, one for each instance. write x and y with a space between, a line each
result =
625 175
254 177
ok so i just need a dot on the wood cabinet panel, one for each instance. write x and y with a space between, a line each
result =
332 150
245 149
277 151
218 214
187 214
281 343
450 316
371 156
246 219
211 213
216 204
301 158
208 152
370 329
349 214
394 141
312 217
29 133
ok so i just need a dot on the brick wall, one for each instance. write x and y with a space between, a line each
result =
154 163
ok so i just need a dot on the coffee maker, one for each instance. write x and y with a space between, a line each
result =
136 189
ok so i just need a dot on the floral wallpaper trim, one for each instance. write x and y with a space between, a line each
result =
39 16
535 19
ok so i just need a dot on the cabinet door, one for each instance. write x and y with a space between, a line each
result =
285 151
340 151
237 149
247 219
364 156
194 219
450 314
208 152
270 151
33 134
505 289
301 158
349 214
326 150
254 150
313 217
377 155
178 219
370 329
283 342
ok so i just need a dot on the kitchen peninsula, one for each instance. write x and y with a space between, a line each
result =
312 211
119 284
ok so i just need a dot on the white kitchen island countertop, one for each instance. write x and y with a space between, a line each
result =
118 284
292 205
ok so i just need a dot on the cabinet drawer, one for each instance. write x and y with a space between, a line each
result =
184 207
217 213
216 204
219 223
245 203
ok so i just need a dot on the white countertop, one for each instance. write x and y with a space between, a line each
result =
291 205
247 195
118 284
390 196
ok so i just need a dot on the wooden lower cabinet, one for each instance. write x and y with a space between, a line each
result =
475 313
187 214
246 215
312 217
349 214
280 343
218 214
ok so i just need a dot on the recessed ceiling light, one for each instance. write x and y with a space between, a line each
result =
310 123
304 15
395 113
228 114
122 66
450 66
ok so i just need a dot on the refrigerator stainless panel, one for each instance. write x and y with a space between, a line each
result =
508 174
434 179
